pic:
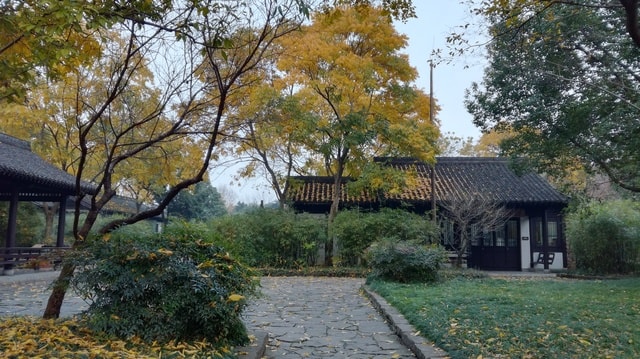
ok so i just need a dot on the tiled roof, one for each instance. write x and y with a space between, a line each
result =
22 168
456 178
316 190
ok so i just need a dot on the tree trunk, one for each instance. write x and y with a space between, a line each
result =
462 249
50 210
59 290
333 212
61 284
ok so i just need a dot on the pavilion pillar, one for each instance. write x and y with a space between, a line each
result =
62 211
11 228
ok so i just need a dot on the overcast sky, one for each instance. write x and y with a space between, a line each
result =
436 20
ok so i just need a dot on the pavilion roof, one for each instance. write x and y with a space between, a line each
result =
23 170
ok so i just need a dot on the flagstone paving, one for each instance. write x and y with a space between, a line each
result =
27 294
312 317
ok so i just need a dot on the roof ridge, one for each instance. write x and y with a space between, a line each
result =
471 159
14 141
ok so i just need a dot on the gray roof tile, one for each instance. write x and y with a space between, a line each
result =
456 177
21 167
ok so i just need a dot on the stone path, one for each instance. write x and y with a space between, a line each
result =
27 294
306 317
310 317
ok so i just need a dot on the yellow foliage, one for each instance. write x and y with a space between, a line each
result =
347 69
489 143
166 252
235 297
206 264
28 337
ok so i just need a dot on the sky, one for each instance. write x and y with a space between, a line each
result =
435 20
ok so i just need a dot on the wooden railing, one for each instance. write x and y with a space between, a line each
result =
31 257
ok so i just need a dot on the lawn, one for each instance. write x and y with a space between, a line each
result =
524 318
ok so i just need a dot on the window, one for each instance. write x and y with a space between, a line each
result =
500 240
552 233
476 235
448 235
512 233
537 232
487 238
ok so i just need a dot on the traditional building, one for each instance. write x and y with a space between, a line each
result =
532 238
25 176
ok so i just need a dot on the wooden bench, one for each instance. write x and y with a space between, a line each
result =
21 256
542 258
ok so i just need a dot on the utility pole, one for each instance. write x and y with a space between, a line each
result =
433 166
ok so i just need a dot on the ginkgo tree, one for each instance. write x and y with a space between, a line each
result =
349 74
267 128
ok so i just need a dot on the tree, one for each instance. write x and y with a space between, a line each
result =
468 217
54 110
489 143
52 38
398 9
347 70
577 103
451 145
267 133
119 136
520 12
202 204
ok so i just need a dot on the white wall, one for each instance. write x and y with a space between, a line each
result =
525 244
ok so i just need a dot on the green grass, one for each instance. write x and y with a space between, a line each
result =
524 318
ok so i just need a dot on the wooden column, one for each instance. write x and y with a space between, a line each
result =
11 227
62 211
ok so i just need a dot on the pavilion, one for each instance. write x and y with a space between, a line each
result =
25 176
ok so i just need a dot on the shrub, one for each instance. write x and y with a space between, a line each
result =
272 237
604 238
357 230
405 261
172 286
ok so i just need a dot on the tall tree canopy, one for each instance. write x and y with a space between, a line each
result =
347 71
567 86
201 203
517 13
51 38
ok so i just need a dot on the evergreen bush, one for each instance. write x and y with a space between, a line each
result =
405 261
604 238
277 238
173 286
357 230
